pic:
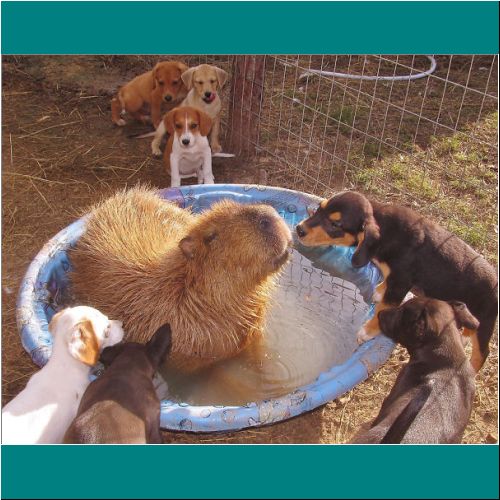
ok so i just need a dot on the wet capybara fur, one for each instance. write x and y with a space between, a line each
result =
148 262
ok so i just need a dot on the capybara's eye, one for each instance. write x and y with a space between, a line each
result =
193 126
264 223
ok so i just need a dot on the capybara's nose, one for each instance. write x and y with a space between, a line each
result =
300 231
208 94
185 142
168 97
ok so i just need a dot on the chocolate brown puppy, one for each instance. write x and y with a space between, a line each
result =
411 252
431 400
209 276
121 406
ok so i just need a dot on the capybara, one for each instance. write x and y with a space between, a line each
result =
209 276
121 406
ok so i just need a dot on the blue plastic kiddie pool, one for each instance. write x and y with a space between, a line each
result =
43 288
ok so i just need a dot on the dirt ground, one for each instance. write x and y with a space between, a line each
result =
61 153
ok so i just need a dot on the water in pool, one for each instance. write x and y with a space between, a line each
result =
311 326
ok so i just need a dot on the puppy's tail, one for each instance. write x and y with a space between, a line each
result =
400 426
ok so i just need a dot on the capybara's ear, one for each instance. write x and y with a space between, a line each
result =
110 353
188 246
169 121
205 122
369 236
221 76
159 345
463 316
83 344
155 70
182 67
187 77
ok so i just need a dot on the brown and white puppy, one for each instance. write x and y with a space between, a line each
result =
431 400
412 252
163 84
121 406
44 409
202 82
188 153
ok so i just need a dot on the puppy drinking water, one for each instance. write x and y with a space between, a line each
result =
44 409
411 252
431 400
188 153
163 84
121 406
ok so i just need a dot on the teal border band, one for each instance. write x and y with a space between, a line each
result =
249 27
237 471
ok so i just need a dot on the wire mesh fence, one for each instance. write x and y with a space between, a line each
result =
417 129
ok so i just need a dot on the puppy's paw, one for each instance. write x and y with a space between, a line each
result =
155 150
121 122
216 148
377 296
363 336
209 180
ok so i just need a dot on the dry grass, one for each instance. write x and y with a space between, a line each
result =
60 154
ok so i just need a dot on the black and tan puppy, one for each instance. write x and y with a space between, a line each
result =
431 400
411 252
121 406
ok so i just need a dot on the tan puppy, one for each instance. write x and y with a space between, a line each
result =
202 83
162 84
188 153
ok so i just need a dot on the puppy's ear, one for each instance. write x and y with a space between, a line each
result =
110 353
182 67
155 70
188 247
463 316
221 76
159 345
53 322
83 344
187 77
169 121
367 239
205 122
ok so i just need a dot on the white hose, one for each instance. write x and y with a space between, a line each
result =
364 77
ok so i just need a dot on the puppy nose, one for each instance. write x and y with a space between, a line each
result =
168 97
185 142
300 231
208 94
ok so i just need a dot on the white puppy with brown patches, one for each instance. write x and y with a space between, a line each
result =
188 152
45 408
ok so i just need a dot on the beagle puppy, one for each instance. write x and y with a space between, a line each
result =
163 84
121 406
188 153
431 400
411 252
202 82
44 409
